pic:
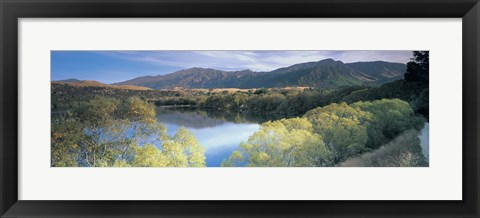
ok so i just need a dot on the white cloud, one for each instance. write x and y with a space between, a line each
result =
253 60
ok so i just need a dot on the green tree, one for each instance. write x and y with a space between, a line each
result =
239 99
390 117
266 102
342 128
65 136
418 68
187 151
148 156
182 150
98 125
107 132
282 143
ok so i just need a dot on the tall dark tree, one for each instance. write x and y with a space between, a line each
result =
417 69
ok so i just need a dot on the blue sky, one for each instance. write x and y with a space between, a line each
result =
117 66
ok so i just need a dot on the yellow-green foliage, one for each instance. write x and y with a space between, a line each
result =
64 136
328 135
390 117
184 150
403 151
342 127
148 156
105 132
283 143
138 110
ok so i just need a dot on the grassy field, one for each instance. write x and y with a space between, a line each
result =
91 83
231 90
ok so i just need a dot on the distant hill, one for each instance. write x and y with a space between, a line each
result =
192 78
326 73
92 83
69 80
323 74
381 70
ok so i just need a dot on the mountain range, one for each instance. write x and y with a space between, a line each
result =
326 73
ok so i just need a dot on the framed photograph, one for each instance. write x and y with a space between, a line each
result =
239 108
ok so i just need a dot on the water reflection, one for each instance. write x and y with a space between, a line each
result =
219 131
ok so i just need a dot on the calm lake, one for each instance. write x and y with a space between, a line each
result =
219 132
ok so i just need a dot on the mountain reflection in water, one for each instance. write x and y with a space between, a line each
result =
218 131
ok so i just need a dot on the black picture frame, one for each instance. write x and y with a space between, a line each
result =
12 10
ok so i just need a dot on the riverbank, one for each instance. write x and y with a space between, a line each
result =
403 151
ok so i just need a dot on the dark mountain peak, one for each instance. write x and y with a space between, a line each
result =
308 65
246 71
194 71
198 69
327 60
